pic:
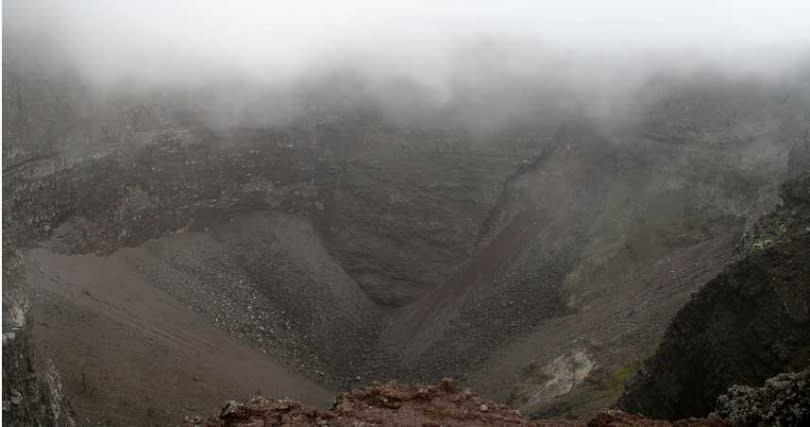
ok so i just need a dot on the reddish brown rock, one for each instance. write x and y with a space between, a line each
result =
445 404
617 418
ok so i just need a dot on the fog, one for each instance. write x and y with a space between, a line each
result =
494 60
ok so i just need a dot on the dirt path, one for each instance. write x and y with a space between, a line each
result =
101 323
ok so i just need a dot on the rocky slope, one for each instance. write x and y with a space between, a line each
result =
746 325
538 264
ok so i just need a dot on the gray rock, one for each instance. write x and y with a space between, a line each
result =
784 400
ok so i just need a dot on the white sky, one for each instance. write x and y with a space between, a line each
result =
166 39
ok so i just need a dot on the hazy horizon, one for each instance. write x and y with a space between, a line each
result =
408 59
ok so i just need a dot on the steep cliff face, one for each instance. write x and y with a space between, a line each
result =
748 324
32 388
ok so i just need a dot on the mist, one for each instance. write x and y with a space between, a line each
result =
477 64
208 200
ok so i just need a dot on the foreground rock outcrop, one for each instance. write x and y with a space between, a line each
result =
444 404
784 400
748 324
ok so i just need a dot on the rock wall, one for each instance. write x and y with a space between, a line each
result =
32 390
748 324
